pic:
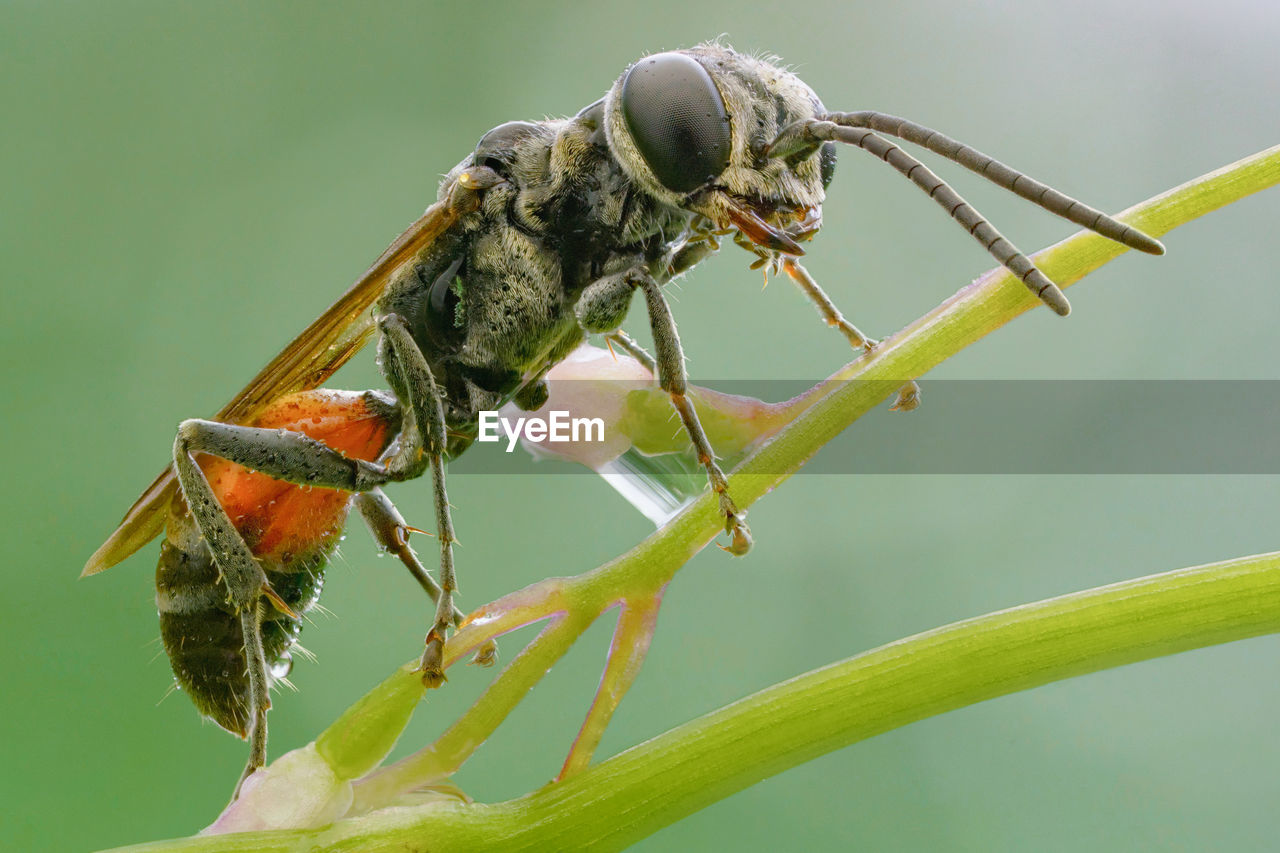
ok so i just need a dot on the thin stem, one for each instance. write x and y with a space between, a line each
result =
652 785
457 744
677 773
637 620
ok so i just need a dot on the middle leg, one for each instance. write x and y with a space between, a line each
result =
411 376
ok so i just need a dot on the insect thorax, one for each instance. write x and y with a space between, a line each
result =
492 305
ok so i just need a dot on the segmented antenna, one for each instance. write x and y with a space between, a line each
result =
859 129
998 173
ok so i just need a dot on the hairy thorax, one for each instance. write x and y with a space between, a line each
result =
566 215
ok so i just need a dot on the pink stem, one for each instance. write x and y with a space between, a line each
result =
631 638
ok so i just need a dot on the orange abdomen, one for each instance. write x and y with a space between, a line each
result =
291 529
280 519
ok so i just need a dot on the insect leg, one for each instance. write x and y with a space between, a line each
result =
245 581
392 533
631 347
604 303
675 381
297 458
413 375
603 306
259 690
830 313
909 395
281 454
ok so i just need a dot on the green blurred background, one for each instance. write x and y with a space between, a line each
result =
185 186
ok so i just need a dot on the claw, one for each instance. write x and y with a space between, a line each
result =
486 655
908 398
402 532
433 662
736 528
274 598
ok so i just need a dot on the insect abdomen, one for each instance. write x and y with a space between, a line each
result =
202 636
291 529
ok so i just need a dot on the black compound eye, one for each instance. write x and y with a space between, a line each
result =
677 118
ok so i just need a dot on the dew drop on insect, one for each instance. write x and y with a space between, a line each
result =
282 666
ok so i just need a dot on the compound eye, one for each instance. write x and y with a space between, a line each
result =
677 118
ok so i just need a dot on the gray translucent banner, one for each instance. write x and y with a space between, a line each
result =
1012 427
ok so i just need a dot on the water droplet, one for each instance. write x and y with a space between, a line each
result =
282 666
658 486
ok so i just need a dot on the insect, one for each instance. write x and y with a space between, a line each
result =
539 237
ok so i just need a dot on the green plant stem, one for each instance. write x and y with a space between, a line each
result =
637 620
655 783
457 744
652 785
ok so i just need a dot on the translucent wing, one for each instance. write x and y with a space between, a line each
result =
306 362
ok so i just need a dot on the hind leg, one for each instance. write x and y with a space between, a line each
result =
246 584
361 424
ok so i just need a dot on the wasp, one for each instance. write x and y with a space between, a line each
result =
539 237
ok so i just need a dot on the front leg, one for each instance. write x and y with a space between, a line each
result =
909 394
673 379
